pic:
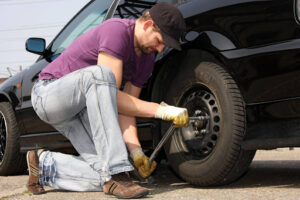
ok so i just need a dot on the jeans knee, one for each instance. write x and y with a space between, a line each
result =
101 73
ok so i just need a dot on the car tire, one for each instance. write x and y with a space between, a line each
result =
208 153
11 160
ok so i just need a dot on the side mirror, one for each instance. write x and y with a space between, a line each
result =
36 45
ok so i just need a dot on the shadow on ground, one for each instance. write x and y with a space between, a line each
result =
280 174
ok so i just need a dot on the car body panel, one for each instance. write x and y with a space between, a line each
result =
257 42
248 38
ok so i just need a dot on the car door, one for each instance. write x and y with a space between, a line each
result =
90 16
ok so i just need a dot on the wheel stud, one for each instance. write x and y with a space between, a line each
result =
198 123
196 133
200 133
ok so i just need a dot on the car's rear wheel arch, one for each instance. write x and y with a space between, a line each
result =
4 97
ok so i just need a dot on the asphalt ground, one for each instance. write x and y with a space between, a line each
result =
272 175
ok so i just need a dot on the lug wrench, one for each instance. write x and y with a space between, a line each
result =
168 134
161 143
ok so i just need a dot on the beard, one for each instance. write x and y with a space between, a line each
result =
145 49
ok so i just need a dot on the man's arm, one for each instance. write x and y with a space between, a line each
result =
128 123
131 106
127 104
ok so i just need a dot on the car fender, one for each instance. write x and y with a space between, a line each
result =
168 67
209 40
10 90
5 97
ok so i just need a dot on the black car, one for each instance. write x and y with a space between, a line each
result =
239 67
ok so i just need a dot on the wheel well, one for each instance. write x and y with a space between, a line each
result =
170 66
4 98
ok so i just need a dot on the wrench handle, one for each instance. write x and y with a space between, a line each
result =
167 136
161 143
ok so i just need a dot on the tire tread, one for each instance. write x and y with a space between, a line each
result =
13 162
238 160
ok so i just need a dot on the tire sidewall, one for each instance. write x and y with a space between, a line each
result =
13 161
209 75
4 115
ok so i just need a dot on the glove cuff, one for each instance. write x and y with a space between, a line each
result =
136 152
161 110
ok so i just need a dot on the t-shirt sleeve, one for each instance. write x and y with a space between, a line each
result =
113 39
144 71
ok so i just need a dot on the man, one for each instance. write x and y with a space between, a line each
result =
78 94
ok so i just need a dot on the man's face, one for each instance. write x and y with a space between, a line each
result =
151 40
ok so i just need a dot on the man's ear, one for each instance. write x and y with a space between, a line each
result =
148 24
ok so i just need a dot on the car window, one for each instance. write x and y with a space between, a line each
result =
176 2
134 9
90 17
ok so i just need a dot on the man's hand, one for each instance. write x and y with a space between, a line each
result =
141 162
179 116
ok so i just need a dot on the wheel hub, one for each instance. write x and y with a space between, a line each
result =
201 136
199 125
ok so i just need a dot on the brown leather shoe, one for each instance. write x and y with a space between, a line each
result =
123 187
33 167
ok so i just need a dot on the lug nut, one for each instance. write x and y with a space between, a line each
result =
196 133
198 123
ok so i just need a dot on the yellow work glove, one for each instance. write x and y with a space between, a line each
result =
179 116
141 162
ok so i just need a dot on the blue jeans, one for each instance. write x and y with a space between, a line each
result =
82 106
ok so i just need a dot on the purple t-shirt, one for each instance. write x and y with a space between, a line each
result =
115 37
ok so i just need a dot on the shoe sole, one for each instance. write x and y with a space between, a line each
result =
136 196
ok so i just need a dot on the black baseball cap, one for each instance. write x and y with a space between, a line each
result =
170 22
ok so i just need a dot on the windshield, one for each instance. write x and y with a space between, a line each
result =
90 17
94 15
